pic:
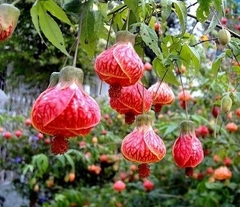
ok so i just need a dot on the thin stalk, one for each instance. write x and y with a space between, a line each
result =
127 20
78 39
15 2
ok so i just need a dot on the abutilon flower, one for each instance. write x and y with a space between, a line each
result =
134 100
143 145
162 95
187 150
119 65
9 15
64 110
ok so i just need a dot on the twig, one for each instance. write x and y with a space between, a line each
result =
78 39
203 42
234 34
192 5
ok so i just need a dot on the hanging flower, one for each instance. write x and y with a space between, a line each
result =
162 95
222 173
9 15
143 145
120 65
187 150
134 100
64 110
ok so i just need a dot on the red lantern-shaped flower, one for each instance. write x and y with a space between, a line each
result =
64 110
162 95
143 145
120 65
9 15
187 150
134 100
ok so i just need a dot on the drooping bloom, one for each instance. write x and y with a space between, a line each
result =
119 65
134 100
143 145
64 110
187 150
162 95
222 173
9 15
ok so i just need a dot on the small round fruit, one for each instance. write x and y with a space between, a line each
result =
18 133
28 122
157 26
148 66
7 135
119 186
71 176
224 37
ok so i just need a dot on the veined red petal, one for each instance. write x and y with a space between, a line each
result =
155 144
182 150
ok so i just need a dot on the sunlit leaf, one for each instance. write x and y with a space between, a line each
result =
150 38
203 10
133 6
164 73
56 11
51 30
181 11
166 9
216 64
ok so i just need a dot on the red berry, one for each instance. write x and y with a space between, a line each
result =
227 161
231 127
40 135
184 95
82 144
18 133
209 170
157 26
202 131
215 111
7 135
119 186
148 66
148 185
28 122
238 112
104 158
224 20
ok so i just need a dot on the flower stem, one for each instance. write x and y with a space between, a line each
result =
78 39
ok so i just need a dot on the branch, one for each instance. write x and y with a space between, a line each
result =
234 34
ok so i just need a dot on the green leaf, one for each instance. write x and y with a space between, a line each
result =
27 168
190 53
61 158
133 5
203 10
76 6
181 11
171 127
41 162
56 11
70 160
214 186
88 36
34 16
164 73
216 64
212 25
150 38
43 21
166 9
51 29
